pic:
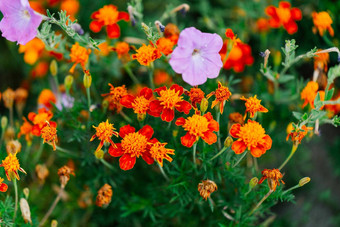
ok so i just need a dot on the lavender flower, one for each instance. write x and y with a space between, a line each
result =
197 56
20 22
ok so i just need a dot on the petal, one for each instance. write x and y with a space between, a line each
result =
123 16
184 106
147 158
127 101
146 92
95 15
180 121
296 14
113 31
271 11
116 151
291 27
155 106
123 131
268 142
147 131
213 126
126 162
188 140
234 130
284 4
168 114
177 88
238 147
158 90
209 137
257 151
96 26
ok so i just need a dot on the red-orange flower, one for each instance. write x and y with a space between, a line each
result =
298 134
171 32
309 93
196 95
46 98
122 50
253 105
115 95
11 166
104 132
71 7
32 50
49 134
39 120
252 136
3 186
222 94
198 126
26 129
79 55
108 16
146 54
159 152
165 45
322 22
284 16
273 176
104 195
168 100
161 77
262 25
133 145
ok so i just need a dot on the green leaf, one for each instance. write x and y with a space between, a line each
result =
305 116
317 101
318 115
336 121
285 79
329 94
297 115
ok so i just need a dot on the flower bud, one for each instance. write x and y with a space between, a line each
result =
105 104
4 122
253 182
228 141
25 210
277 58
304 181
204 105
54 223
141 117
99 154
26 192
54 67
87 79
68 82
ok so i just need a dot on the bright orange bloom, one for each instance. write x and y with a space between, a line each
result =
104 195
252 136
49 134
273 176
133 145
115 95
284 16
171 32
71 7
104 132
147 54
104 49
321 61
161 77
253 105
222 94
46 98
165 45
262 25
198 126
79 55
322 22
298 134
11 166
26 129
37 6
168 100
122 50
159 152
108 16
196 95
8 97
236 118
3 186
39 120
40 70
309 93
206 188
32 50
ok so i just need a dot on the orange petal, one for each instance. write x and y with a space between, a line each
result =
116 151
126 162
147 131
188 140
238 147
234 130
123 131
209 137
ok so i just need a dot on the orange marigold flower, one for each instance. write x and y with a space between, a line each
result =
104 132
165 45
252 136
11 166
161 77
147 54
46 98
49 134
8 97
115 95
273 176
71 7
3 186
39 120
122 49
297 134
159 152
309 93
168 100
322 22
253 105
284 16
321 61
40 70
104 195
262 25
206 188
171 32
196 95
222 94
108 16
32 50
104 49
64 175
133 145
79 55
236 118
198 126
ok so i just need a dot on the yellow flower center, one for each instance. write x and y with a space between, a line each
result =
140 105
284 14
252 133
146 54
235 53
134 144
323 20
108 15
222 93
158 150
196 125
117 94
104 131
169 98
11 163
49 133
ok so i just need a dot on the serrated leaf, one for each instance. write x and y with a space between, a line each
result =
297 115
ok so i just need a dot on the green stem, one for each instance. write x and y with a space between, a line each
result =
290 189
292 152
88 97
55 202
262 200
218 132
162 171
194 154
16 198
240 159
151 69
65 151
131 75
169 125
125 116
219 153
327 40
39 152
106 164
11 115
27 151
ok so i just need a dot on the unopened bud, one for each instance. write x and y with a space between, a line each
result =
99 154
141 117
26 192
87 79
304 181
228 141
25 210
277 58
54 223
4 122
204 105
68 82
253 182
105 104
54 67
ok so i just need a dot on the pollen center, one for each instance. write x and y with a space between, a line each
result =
222 93
26 14
195 52
11 163
252 133
284 14
196 125
104 131
108 15
134 144
140 105
169 98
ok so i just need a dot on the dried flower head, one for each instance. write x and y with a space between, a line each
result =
236 118
206 188
104 195
273 176
25 210
8 96
13 147
64 175
42 172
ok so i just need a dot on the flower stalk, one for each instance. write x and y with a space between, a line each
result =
261 201
292 152
240 159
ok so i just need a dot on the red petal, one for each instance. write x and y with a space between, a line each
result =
234 130
53 124
155 106
127 100
257 151
154 114
296 14
168 114
147 131
116 151
188 140
238 147
36 130
180 121
261 180
94 15
270 11
208 116
113 31
126 162
268 142
177 88
147 158
123 131
184 106
3 187
158 90
209 137
96 26
274 23
123 16
213 126
146 92
284 4
31 116
291 27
